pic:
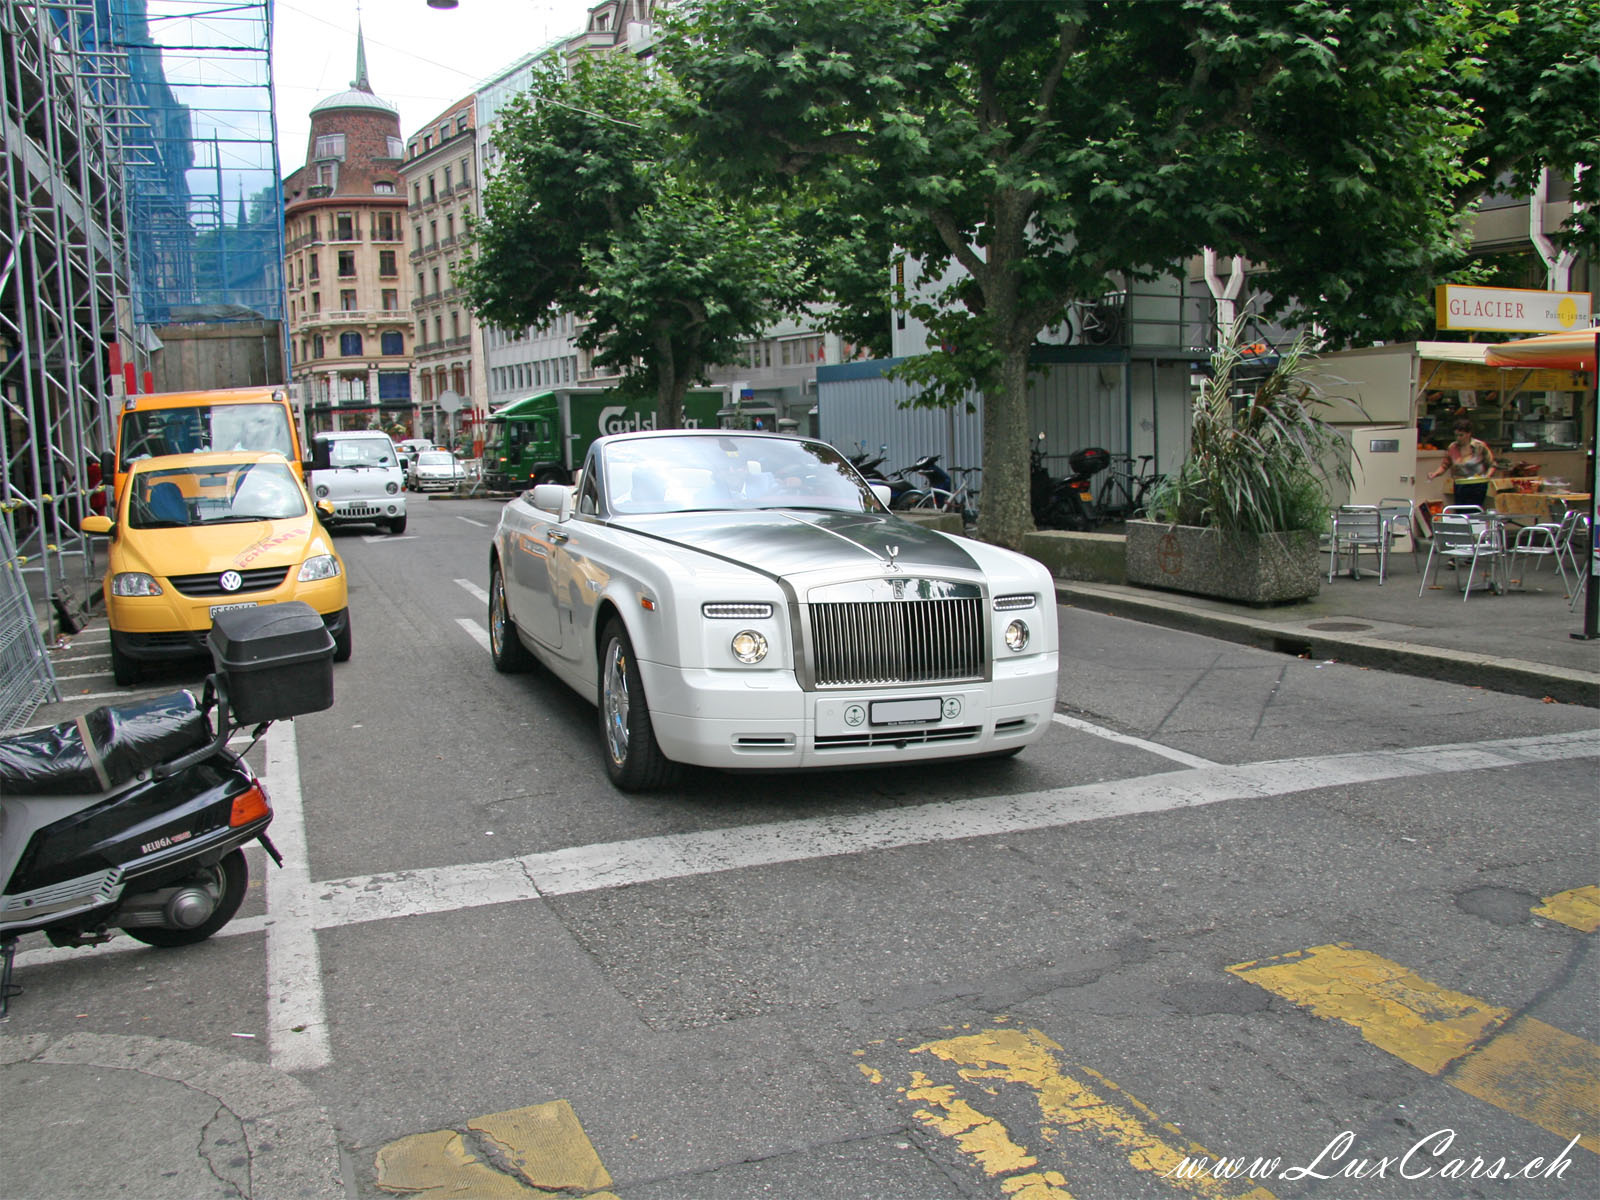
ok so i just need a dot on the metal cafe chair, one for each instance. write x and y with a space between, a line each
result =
1358 527
1399 515
1534 543
1460 539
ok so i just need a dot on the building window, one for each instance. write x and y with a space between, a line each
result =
419 239
427 142
387 266
327 175
455 324
394 385
330 145
347 264
444 132
433 232
316 345
436 281
391 300
416 192
433 192
447 183
315 272
315 236
396 147
393 342
382 187
438 329
347 300
316 302
450 227
388 231
350 344
461 122
422 332
345 227
466 177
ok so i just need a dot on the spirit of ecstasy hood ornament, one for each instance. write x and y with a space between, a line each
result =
892 552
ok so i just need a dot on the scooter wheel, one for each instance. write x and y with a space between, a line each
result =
232 874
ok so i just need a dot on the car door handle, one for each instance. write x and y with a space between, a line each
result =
557 537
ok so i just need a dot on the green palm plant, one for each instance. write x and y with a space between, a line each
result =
1258 463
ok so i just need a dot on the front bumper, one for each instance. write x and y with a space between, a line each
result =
159 645
366 512
734 719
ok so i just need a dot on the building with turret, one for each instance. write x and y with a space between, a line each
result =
351 335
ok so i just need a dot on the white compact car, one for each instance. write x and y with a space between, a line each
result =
358 472
434 471
735 600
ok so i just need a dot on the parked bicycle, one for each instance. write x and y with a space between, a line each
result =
1124 491
962 498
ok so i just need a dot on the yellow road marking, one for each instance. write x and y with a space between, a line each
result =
1416 1021
1579 908
544 1144
1067 1105
1523 1066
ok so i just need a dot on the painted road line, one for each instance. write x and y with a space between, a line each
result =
1578 907
544 1145
596 867
477 632
606 865
1523 1066
473 590
297 1028
1111 735
470 521
1077 1104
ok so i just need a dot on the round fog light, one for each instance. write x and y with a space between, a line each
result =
1017 636
749 646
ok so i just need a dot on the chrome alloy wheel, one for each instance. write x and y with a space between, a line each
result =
614 701
497 614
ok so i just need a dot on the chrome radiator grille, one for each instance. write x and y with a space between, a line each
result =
909 641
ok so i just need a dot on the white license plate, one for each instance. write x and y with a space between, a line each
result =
216 608
906 712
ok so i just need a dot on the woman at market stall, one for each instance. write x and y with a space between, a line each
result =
1470 463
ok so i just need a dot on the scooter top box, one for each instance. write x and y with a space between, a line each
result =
278 660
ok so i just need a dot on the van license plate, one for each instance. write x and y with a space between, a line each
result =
216 608
906 712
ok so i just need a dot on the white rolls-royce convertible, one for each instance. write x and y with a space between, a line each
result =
745 600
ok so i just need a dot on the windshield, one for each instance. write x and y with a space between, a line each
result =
434 458
151 433
360 452
730 472
214 494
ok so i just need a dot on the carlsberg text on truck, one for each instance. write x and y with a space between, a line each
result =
543 438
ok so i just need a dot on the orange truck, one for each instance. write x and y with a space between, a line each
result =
162 423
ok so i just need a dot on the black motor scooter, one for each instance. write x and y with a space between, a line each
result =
134 816
1066 503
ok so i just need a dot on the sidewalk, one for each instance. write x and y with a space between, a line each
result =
1520 642
93 1115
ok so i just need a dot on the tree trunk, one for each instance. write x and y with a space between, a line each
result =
1006 513
671 384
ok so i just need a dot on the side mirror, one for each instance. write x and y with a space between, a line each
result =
553 498
325 507
883 492
108 467
95 523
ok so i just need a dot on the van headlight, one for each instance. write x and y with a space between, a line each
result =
391 487
134 583
320 566
1017 637
749 646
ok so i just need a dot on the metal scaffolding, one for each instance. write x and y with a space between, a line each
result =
138 191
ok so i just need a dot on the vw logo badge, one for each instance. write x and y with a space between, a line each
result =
231 581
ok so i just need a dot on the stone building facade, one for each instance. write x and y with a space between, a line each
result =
350 323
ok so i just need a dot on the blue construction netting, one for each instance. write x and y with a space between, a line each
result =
199 150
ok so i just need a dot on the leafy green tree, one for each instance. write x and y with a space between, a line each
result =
1049 147
594 211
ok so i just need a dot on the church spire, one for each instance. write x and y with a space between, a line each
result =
361 83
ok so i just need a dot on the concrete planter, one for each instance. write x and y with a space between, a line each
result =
1269 569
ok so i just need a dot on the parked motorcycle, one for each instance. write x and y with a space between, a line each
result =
1068 502
134 816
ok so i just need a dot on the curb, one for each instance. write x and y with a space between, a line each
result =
1514 676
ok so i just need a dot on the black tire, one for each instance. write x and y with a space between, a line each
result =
510 656
232 876
628 741
343 641
398 525
125 670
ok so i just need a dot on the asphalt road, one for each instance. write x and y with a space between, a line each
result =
1235 906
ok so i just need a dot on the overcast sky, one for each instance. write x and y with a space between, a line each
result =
419 59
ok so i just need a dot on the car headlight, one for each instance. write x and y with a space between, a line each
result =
392 487
322 491
319 566
749 646
134 583
1017 637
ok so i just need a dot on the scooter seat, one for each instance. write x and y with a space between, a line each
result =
102 750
